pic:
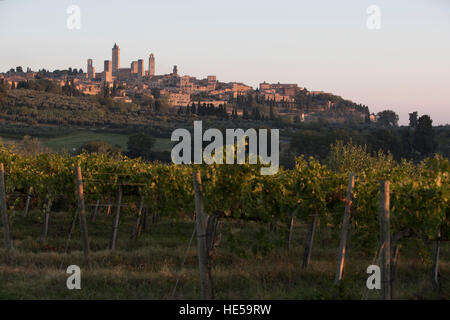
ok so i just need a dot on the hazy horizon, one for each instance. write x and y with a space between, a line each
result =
323 46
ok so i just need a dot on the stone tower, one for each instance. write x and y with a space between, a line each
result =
115 59
141 70
90 69
151 65
134 67
107 73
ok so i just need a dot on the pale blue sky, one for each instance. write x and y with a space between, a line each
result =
321 45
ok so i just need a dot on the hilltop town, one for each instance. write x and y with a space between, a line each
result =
77 108
124 83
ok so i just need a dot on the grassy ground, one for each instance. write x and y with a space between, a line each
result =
148 268
76 140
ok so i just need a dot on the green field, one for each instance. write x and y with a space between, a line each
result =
76 140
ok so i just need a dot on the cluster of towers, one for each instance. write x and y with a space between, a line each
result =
112 68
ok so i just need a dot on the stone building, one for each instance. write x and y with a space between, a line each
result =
124 74
281 89
134 67
179 98
239 89
212 82
186 85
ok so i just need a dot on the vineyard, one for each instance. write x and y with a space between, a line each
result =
336 203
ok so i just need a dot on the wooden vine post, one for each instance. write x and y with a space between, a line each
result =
435 273
385 241
108 208
155 218
82 214
3 208
48 208
291 229
201 236
345 230
138 222
309 241
116 220
94 213
143 225
27 205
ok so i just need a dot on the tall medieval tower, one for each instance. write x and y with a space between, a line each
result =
107 73
90 70
141 70
151 65
115 59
